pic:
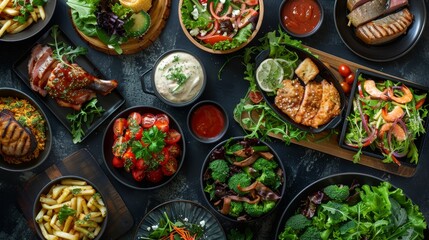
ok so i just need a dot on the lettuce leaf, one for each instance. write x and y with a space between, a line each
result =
203 20
83 15
241 37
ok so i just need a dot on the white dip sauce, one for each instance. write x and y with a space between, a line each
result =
179 77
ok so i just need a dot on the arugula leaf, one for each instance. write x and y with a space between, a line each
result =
83 119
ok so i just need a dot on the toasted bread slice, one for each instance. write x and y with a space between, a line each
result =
307 70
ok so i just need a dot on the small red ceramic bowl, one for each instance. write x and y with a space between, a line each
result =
207 121
301 18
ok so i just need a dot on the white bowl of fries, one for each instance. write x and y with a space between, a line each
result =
70 207
17 24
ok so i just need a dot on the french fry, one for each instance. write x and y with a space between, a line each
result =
11 11
41 12
39 216
3 4
67 224
34 15
73 182
47 200
23 26
5 26
65 235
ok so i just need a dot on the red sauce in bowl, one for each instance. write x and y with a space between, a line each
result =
207 121
300 16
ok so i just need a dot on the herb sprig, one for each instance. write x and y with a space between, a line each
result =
63 52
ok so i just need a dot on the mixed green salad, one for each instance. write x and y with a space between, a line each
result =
220 24
243 179
356 212
387 116
109 20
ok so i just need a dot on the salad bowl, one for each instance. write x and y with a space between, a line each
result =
223 28
394 203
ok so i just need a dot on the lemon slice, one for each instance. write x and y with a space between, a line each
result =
269 75
137 5
287 68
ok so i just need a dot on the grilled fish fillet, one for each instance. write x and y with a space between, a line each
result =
15 140
367 12
310 104
329 105
289 97
352 4
385 29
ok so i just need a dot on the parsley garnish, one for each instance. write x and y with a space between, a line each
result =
62 51
65 211
176 74
76 191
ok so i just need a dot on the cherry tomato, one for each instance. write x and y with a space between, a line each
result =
134 133
346 87
117 162
148 119
169 166
155 176
251 2
119 146
162 122
134 119
173 136
119 126
161 156
129 160
138 174
216 38
203 1
140 164
174 150
350 79
255 96
344 70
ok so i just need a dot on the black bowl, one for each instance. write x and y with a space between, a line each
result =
341 178
120 174
34 28
179 210
280 190
26 166
155 91
210 139
324 73
37 205
294 34
418 89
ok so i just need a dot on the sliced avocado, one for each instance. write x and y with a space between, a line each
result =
138 24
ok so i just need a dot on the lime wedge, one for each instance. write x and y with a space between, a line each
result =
269 75
287 68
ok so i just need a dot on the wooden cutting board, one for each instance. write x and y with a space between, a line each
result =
159 13
329 145
80 163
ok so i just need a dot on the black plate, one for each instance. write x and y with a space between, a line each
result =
385 52
341 178
125 177
380 77
110 103
324 73
34 28
178 210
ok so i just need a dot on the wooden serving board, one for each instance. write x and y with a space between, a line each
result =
329 144
159 13
80 163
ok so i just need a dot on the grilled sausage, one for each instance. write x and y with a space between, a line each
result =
385 29
15 140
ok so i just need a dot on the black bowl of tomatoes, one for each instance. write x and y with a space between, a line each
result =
143 147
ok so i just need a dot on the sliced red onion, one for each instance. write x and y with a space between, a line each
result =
364 122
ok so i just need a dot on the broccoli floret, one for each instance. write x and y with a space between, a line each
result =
241 179
256 210
220 170
298 222
236 209
251 172
312 233
338 193
263 164
288 234
210 189
269 178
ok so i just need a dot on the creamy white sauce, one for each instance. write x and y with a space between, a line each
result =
179 77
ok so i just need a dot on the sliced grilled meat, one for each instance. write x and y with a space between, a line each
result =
394 5
367 12
352 4
329 105
15 140
310 104
289 97
39 66
385 29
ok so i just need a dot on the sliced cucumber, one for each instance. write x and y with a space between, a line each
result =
138 24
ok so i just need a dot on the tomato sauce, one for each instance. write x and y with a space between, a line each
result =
300 16
207 121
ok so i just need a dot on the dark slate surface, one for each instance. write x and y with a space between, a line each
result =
303 166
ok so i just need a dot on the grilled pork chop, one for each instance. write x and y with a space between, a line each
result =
385 29
15 140
329 105
70 85
289 97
